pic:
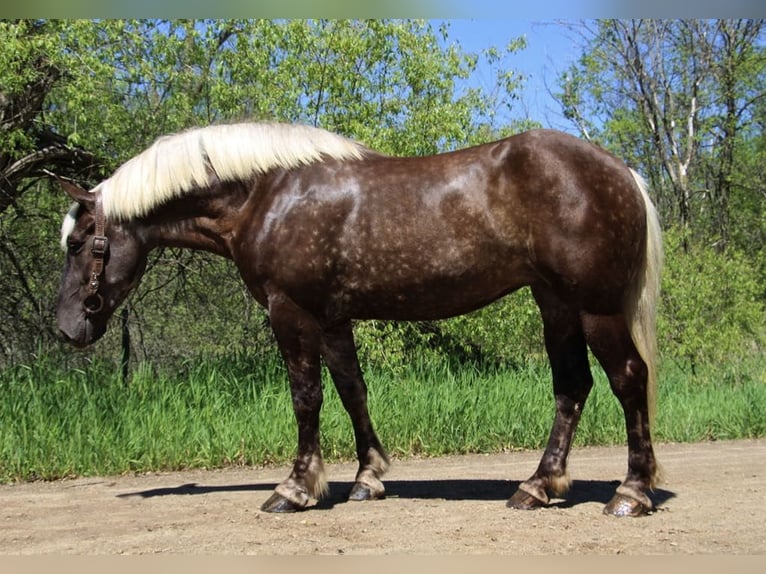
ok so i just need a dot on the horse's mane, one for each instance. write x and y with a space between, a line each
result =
193 159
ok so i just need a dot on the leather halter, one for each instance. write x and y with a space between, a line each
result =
94 302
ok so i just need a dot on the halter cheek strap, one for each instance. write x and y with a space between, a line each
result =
94 302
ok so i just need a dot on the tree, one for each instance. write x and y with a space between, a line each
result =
32 65
104 90
677 98
738 69
31 69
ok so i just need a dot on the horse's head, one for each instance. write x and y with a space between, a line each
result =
104 261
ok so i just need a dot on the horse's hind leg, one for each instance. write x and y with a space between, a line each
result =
572 381
610 340
340 356
297 335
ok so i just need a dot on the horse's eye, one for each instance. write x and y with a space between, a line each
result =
74 247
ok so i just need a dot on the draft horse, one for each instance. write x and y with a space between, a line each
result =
324 230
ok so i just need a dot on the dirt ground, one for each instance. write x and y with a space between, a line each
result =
713 501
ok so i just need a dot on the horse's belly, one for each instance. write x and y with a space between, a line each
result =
427 292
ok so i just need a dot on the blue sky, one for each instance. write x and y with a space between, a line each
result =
550 49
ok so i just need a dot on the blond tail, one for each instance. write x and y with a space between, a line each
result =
642 303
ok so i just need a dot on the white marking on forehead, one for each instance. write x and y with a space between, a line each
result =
70 219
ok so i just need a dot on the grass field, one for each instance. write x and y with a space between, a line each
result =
238 412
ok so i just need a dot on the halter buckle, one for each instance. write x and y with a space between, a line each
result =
100 243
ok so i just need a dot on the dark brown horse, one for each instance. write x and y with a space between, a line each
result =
324 230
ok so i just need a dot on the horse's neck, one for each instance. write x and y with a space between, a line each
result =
195 223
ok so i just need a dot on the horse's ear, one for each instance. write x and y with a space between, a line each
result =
77 193
80 195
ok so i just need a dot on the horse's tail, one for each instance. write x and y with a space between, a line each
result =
643 299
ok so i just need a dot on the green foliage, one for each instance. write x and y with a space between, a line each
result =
29 251
509 331
472 383
712 304
680 100
392 84
235 410
397 85
721 402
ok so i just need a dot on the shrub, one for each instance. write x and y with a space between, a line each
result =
712 309
507 332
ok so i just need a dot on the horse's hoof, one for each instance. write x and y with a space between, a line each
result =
524 501
278 503
622 505
362 491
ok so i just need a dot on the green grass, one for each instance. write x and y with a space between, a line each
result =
238 412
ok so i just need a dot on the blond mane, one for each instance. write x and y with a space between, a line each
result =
192 159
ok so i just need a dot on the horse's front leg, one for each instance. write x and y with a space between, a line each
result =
339 353
298 335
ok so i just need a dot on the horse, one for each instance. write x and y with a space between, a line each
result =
325 231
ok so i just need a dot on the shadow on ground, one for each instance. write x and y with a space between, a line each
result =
582 491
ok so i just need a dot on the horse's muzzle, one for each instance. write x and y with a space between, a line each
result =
82 333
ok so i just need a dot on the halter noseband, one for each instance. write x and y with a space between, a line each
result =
94 302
